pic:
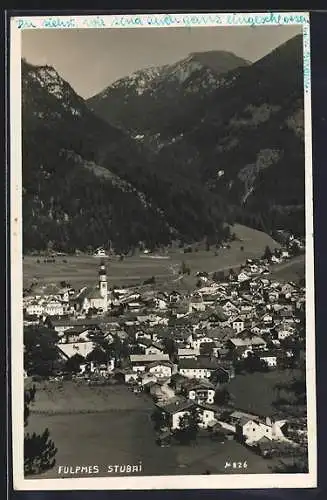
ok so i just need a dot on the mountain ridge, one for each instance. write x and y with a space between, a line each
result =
231 152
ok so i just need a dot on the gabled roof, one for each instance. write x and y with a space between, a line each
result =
197 384
201 363
160 363
89 293
175 405
148 358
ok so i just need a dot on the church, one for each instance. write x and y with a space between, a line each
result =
94 297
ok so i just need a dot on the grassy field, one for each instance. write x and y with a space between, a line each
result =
121 432
128 438
293 270
74 397
82 270
256 392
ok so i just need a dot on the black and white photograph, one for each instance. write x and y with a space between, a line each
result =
162 257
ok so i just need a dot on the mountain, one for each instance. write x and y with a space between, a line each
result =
154 104
86 182
248 144
208 140
232 127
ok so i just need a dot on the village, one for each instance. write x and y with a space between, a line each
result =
182 351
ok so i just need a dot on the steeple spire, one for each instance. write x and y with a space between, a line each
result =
103 284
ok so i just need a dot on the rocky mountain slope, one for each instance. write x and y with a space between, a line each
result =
154 104
248 146
86 182
176 152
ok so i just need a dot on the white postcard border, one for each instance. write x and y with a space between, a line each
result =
240 481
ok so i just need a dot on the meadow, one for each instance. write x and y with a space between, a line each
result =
82 270
256 392
120 431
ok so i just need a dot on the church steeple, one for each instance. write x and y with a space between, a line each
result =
103 284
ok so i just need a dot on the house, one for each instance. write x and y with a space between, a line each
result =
142 334
34 309
249 342
199 369
176 382
267 319
198 341
237 324
176 408
196 304
140 362
175 296
186 353
134 306
161 369
54 308
131 377
160 303
285 331
100 252
270 357
200 391
252 428
229 308
242 276
224 373
68 350
150 347
273 295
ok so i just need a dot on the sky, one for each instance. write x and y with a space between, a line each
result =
92 59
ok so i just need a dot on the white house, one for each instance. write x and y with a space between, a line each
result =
160 303
176 408
196 304
242 276
187 353
284 332
201 391
140 362
34 309
161 369
254 428
197 341
54 308
197 369
130 376
229 308
81 348
269 357
237 324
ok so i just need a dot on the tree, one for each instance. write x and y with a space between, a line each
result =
206 348
98 355
39 449
160 419
170 347
252 363
267 253
73 364
184 268
299 464
40 350
188 427
222 396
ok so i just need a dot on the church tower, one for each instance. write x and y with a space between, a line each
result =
103 285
